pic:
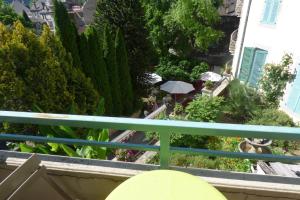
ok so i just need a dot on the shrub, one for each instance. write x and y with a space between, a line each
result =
241 102
204 108
209 85
170 70
275 78
198 70
271 117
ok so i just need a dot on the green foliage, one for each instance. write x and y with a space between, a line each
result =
66 31
182 25
124 74
68 132
271 117
128 16
275 78
204 108
209 85
220 163
168 71
170 68
195 18
178 109
198 70
8 16
95 66
241 102
113 73
36 69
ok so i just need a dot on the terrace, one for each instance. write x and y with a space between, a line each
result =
59 177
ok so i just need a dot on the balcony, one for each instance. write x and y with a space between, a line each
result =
59 177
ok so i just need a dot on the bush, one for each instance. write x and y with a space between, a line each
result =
220 163
275 79
170 70
271 117
209 85
241 102
175 69
198 70
204 109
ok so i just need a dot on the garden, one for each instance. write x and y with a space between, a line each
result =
105 70
240 104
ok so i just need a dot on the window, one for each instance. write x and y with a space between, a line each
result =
252 65
270 11
293 102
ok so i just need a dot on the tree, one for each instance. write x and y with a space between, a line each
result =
37 70
128 15
204 109
8 16
275 78
112 69
85 55
182 25
66 31
97 68
124 74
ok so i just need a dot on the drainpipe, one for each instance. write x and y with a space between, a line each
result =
243 37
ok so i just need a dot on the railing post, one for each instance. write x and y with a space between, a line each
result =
164 152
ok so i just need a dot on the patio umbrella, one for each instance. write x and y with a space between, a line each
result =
211 76
177 87
154 78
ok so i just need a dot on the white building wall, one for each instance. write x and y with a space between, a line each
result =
278 39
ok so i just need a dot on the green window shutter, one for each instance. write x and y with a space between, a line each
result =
257 67
274 12
270 11
246 65
267 10
293 102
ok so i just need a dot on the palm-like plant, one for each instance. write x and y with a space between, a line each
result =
242 102
68 132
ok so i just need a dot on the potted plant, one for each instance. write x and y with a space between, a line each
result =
227 71
209 85
254 145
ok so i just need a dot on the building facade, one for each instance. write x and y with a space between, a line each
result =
267 31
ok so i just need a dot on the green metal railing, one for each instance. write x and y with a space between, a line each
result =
163 127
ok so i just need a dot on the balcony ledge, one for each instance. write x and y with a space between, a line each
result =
82 177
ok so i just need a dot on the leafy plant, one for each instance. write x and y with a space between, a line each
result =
228 70
275 79
172 70
241 102
209 85
68 132
204 108
182 25
271 117
198 70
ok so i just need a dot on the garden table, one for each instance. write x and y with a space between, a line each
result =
165 185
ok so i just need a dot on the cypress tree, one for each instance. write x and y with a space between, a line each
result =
85 57
124 74
98 68
66 30
112 69
128 15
